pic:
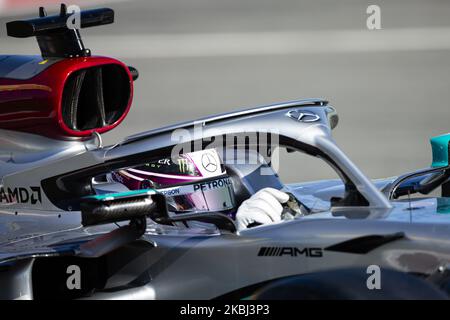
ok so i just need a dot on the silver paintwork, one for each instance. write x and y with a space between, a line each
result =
228 115
23 67
300 116
23 150
268 119
204 263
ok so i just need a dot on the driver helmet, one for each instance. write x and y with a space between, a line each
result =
192 182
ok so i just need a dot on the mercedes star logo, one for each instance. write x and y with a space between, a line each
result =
303 116
209 162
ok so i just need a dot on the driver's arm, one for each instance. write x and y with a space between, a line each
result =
262 208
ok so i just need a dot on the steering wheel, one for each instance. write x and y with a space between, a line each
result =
294 208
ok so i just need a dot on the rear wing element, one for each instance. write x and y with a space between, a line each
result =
53 35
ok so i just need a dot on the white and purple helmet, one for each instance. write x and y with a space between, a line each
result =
191 182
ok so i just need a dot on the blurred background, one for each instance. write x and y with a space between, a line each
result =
391 87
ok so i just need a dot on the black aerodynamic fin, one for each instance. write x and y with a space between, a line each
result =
365 244
221 221
54 34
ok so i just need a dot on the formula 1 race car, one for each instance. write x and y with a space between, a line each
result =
152 217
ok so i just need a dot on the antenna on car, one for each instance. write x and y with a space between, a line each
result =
409 206
42 12
53 34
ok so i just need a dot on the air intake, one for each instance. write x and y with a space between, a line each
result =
95 97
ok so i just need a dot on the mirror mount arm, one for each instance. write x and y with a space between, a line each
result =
440 165
392 190
446 189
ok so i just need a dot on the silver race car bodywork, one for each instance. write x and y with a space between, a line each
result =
68 232
170 262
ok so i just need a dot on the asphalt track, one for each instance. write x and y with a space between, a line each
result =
199 57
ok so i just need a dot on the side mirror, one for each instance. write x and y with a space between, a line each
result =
134 206
115 207
440 146
426 180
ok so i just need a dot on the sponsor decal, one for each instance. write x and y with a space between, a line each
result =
209 163
219 183
170 192
290 251
165 162
303 116
30 195
183 165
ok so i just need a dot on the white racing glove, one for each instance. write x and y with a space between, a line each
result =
263 207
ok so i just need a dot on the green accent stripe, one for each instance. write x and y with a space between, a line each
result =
126 194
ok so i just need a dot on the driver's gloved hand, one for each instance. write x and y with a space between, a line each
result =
261 208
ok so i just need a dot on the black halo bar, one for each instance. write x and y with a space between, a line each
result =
55 39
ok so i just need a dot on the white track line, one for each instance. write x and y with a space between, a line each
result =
258 43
